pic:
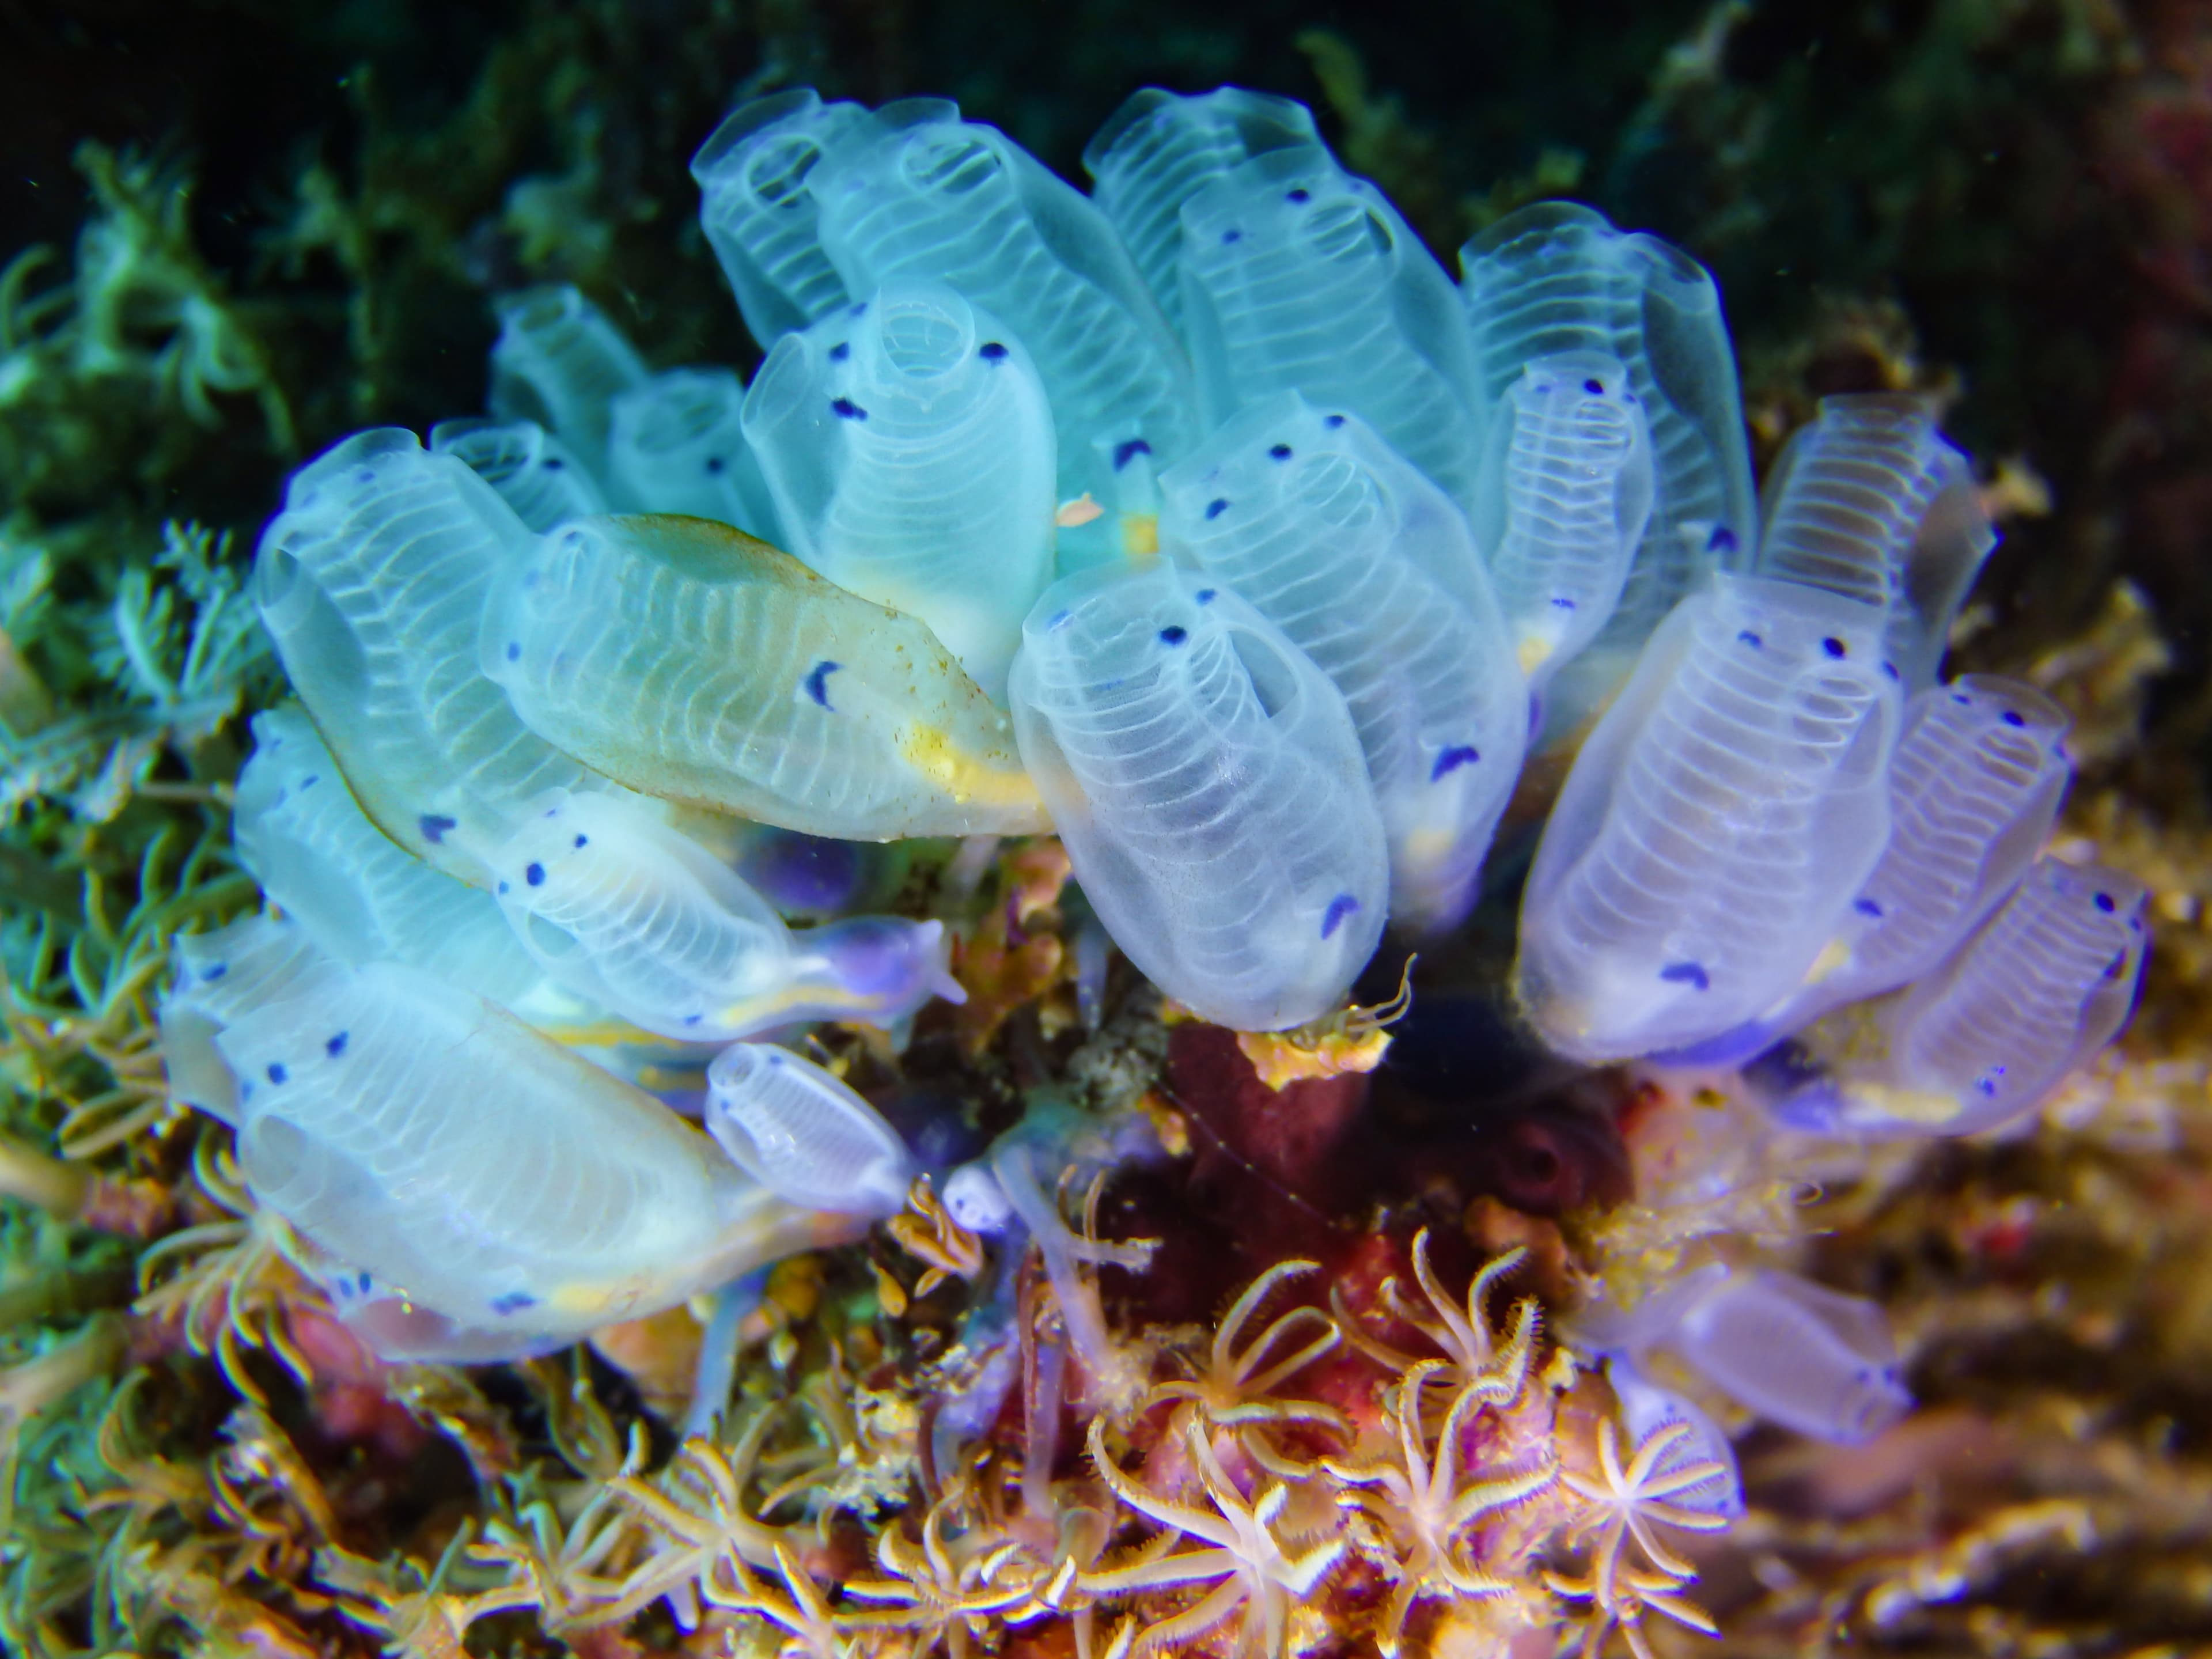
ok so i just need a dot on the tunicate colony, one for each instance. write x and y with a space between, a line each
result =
1204 521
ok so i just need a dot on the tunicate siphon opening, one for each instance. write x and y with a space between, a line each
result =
1274 681
1346 230
778 173
921 338
953 162
1336 490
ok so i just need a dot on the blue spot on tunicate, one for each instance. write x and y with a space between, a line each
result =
276 1072
335 1046
1890 669
514 651
1204 596
1960 698
715 464
1061 619
991 351
551 463
1127 451
1216 507
846 410
502 887
363 1283
216 972
1832 646
691 1019
1231 236
433 827
817 678
859 309
1332 422
246 1089
1338 908
1563 604
1173 635
534 874
583 840
2105 903
1280 451
1723 540
841 350
2011 718
1300 194
1751 639
1453 757
311 780
1595 388
1866 906
1686 973
513 1301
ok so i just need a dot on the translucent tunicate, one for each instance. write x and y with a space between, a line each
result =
1297 276
1555 277
533 472
1369 567
756 175
1159 149
676 445
628 912
428 1139
1974 791
372 581
687 660
213 978
2046 984
804 1134
355 892
1797 1353
1871 502
911 454
561 362
924 194
1207 782
1646 1409
1716 823
1566 492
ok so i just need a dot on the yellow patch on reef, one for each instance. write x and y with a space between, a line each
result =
1014 955
931 752
1282 1058
1140 535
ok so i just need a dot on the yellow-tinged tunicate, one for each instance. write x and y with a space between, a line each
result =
685 658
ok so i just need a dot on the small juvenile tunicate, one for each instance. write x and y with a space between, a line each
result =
756 175
560 362
629 913
1564 493
911 454
804 1133
687 660
676 445
1871 503
1159 149
534 472
1299 277
1206 780
372 581
422 1136
1369 568
1715 826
